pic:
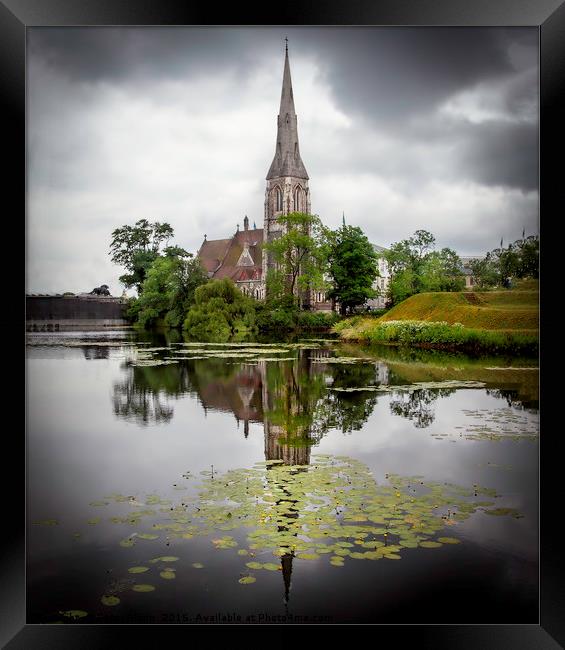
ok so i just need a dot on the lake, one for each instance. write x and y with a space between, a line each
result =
298 481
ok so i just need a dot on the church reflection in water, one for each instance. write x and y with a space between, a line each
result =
292 400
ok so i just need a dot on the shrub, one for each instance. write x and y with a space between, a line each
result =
219 311
443 334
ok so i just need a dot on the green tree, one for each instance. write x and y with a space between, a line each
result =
300 255
416 267
485 272
352 267
137 247
168 289
219 311
528 252
441 271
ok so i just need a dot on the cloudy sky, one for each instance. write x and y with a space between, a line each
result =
400 128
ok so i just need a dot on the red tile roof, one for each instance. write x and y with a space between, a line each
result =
220 256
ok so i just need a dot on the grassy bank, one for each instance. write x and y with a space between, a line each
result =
496 322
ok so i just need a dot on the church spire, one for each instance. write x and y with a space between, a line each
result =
287 160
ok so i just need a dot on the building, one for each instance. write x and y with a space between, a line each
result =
241 257
381 282
467 272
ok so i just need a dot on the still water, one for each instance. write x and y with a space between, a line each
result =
300 481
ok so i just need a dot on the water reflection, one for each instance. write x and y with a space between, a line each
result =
416 405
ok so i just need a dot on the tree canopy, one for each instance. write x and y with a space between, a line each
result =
300 255
137 247
416 267
168 289
352 267
518 260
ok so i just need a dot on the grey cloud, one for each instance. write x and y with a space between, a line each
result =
179 124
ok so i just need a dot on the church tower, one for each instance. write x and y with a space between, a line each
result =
287 181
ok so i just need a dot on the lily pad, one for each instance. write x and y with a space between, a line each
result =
168 575
138 569
448 540
247 580
254 565
143 588
110 601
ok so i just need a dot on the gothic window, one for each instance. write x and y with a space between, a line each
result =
278 199
298 199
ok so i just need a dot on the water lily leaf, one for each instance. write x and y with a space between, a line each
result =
198 565
138 569
247 580
430 544
143 588
448 540
127 543
110 601
168 575
147 536
254 565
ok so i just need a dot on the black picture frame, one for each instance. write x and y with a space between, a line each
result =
549 16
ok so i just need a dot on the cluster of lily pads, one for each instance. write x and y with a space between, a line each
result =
410 388
500 424
332 509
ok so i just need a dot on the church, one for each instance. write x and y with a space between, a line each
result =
241 257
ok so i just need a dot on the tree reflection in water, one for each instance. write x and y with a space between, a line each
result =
415 405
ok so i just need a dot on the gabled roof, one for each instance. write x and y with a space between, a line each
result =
220 257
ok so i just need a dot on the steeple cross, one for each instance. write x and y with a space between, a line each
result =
286 44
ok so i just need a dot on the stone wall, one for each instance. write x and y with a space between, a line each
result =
53 313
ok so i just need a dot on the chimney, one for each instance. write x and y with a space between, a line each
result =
246 223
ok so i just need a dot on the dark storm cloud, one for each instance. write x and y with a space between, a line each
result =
118 53
502 154
389 74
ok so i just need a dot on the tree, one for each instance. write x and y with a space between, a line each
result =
219 310
416 267
300 256
519 259
168 289
441 271
352 267
136 248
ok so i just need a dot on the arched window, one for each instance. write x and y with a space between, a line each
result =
298 199
278 199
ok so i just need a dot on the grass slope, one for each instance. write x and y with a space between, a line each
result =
495 310
496 320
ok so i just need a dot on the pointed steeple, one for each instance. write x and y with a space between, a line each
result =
287 161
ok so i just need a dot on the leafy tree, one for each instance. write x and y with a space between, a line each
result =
352 267
219 311
168 290
137 247
441 271
485 272
300 255
416 267
519 259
